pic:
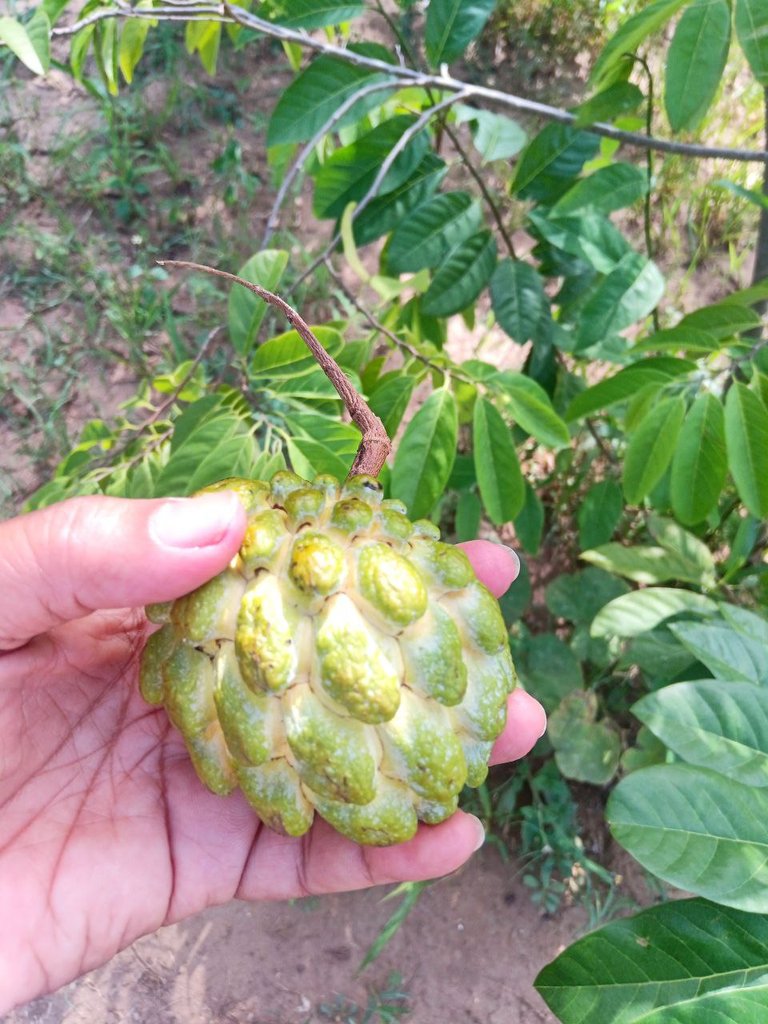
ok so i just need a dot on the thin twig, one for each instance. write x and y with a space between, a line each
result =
231 13
375 445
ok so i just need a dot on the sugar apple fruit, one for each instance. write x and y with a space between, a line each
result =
345 663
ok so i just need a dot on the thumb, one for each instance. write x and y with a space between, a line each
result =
84 554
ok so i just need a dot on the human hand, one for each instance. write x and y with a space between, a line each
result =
106 833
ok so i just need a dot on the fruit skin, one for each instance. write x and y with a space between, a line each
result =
346 663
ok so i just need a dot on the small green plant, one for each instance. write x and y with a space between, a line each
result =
385 1005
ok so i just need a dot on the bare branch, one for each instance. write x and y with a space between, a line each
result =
175 11
375 445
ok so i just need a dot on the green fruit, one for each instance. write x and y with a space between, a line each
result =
346 662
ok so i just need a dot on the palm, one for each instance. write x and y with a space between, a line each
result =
106 833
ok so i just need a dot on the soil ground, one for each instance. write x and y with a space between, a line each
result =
467 954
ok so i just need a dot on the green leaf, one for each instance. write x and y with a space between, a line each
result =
726 653
613 63
461 277
746 438
627 294
313 13
722 320
385 212
245 311
549 668
19 41
696 830
469 510
131 45
425 456
105 53
452 25
390 400
588 236
39 32
425 237
496 464
651 447
529 521
696 61
309 457
626 383
617 100
749 194
559 152
518 298
350 171
215 447
579 596
585 750
699 465
599 514
748 623
641 610
318 91
78 50
678 339
685 546
532 408
658 654
643 563
608 188
751 20
204 37
286 355
712 724
496 136
681 962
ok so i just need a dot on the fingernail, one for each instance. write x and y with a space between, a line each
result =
200 522
480 830
515 559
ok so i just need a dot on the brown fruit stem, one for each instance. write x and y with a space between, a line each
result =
375 445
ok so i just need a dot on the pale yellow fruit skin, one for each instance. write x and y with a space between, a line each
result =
347 663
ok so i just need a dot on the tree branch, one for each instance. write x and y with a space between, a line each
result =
375 445
174 11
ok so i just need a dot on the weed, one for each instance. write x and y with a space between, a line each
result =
384 1006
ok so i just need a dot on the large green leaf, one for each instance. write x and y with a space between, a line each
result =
25 41
317 92
679 339
699 465
746 622
641 610
496 464
627 294
697 830
461 277
425 237
585 750
726 653
746 438
549 668
529 521
685 546
613 62
751 21
579 596
643 563
722 320
385 212
245 311
651 447
681 962
713 724
452 25
626 383
695 62
609 188
349 172
313 13
557 152
519 301
217 446
532 408
587 235
287 355
609 104
425 456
